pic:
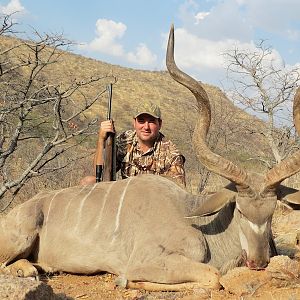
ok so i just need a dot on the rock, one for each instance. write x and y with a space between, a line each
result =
16 288
286 223
288 244
243 281
282 267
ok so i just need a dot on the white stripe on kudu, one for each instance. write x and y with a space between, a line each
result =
117 224
103 204
66 209
79 221
48 213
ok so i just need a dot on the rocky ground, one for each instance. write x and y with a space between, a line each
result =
279 282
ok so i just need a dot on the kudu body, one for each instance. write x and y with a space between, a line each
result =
146 228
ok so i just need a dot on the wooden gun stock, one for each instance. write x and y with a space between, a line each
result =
108 171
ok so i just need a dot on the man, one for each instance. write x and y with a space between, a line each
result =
143 150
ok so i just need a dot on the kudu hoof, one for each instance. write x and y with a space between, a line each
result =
121 282
22 268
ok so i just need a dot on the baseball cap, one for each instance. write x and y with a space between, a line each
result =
147 107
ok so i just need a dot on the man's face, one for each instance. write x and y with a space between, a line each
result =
147 128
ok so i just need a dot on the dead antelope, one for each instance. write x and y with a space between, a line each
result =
144 228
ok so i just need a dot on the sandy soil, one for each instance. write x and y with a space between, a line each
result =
102 287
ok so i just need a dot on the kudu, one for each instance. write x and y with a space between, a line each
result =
144 228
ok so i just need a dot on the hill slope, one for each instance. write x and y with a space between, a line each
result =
228 134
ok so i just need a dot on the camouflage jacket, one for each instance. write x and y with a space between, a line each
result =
162 159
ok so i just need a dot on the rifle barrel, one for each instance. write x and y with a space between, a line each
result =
109 90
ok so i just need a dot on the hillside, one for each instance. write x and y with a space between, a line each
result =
228 133
230 136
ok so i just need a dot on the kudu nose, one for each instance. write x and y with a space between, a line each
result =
259 264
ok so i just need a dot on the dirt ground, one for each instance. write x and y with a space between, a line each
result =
241 283
102 287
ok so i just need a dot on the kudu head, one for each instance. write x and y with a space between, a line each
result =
255 201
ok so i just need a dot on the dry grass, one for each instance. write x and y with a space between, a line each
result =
177 105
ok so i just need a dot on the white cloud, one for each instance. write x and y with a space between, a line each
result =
275 16
206 34
143 56
293 34
205 59
108 34
224 20
194 52
201 16
243 20
14 6
204 37
240 2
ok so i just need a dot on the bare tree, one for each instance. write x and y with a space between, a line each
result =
6 24
40 119
265 86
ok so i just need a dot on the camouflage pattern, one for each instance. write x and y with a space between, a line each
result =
162 159
147 107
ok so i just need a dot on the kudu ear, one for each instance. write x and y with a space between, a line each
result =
289 194
216 202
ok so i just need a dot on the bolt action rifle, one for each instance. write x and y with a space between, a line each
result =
107 172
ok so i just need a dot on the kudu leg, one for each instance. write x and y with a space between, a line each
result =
10 252
16 244
174 272
21 268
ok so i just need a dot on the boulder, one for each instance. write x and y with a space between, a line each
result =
282 267
17 288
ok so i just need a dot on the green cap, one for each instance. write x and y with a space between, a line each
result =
147 107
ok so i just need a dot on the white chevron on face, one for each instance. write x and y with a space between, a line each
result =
259 229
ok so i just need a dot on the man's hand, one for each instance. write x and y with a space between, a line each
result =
105 127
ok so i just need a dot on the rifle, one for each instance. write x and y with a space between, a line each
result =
107 172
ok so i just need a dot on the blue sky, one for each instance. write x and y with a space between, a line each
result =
133 33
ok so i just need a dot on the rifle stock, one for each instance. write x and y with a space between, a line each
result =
109 158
